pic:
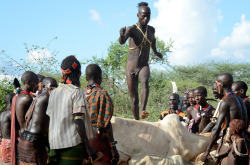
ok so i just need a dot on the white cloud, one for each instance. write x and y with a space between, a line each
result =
237 45
190 24
95 16
39 54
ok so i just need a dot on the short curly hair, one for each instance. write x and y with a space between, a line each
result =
238 125
142 4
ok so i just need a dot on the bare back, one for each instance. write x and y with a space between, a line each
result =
23 103
5 120
39 122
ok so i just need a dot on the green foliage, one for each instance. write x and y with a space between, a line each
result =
5 88
41 61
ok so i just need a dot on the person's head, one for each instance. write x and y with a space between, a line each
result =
240 88
71 69
185 100
174 101
94 74
191 98
143 13
40 77
224 81
237 126
30 81
215 91
48 84
8 98
200 94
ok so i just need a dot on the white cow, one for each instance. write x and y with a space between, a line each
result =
164 138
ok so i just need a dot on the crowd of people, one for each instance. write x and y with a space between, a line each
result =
229 121
50 123
46 122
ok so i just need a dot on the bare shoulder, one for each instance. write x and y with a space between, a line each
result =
24 99
151 28
43 98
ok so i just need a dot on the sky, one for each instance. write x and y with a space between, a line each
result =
202 30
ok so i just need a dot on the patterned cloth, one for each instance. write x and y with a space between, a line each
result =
100 106
73 155
202 112
165 113
5 150
63 102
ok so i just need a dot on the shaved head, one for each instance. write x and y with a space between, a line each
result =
29 76
226 79
202 89
93 72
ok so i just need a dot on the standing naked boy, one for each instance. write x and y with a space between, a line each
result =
141 37
5 123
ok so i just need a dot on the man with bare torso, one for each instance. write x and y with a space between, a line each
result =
33 141
200 116
20 106
141 38
231 107
5 122
240 89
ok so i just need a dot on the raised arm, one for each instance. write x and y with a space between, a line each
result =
124 34
153 45
224 109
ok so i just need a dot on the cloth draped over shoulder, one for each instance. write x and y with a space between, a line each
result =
13 130
100 106
201 113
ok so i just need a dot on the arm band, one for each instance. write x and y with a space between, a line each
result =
79 117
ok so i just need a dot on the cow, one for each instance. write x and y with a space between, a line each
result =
163 138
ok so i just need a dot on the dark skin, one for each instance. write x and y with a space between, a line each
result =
201 101
137 63
173 102
5 118
242 93
230 104
98 80
24 101
39 122
241 146
191 110
185 100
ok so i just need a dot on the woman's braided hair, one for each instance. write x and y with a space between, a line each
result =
71 69
238 125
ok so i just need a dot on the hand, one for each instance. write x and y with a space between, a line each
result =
159 55
123 31
92 152
115 155
204 156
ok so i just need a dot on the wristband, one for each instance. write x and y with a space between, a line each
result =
113 144
79 117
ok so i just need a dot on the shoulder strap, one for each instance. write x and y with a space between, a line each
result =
144 35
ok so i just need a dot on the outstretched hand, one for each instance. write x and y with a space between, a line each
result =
123 31
159 55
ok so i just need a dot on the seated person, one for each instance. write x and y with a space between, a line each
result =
185 102
237 153
202 113
173 102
